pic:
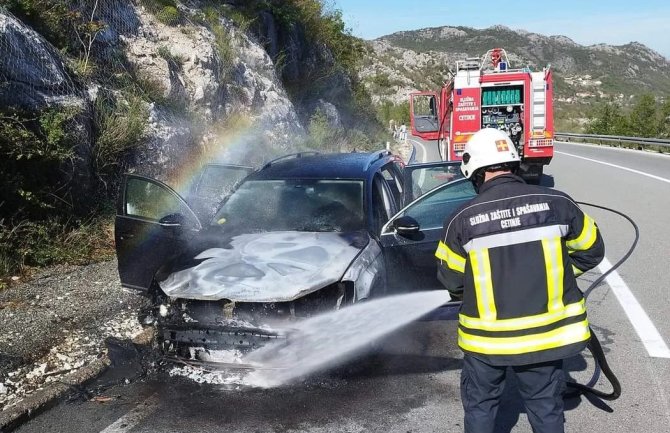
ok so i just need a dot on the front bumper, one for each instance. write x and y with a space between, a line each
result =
179 338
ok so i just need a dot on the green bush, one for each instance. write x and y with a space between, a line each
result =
54 240
169 15
120 126
646 118
50 18
388 111
325 137
211 17
608 119
36 160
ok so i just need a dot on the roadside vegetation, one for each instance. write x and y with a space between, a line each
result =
646 118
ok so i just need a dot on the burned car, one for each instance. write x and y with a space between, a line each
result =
304 234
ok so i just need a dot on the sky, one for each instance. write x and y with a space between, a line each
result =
587 22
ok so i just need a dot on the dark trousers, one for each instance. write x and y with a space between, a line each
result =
541 387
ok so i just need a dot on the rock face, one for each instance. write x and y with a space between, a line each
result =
301 64
186 63
262 93
35 77
200 89
33 72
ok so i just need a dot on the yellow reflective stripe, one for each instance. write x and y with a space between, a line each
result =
553 262
453 260
481 272
576 271
562 336
522 323
586 238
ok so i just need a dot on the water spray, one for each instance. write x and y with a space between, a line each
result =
332 338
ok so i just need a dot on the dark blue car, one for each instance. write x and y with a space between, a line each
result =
304 234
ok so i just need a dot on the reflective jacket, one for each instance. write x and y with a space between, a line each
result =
512 253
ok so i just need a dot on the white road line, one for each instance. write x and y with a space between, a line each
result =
134 417
662 179
422 174
641 322
645 329
423 149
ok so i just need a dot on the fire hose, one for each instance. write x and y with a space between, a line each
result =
594 345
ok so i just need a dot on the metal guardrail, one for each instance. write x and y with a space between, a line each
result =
616 139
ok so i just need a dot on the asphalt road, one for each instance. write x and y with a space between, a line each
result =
412 386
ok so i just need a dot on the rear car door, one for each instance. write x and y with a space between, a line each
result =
152 226
409 239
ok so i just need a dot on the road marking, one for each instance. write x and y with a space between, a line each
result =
645 329
662 179
128 421
423 149
641 322
422 173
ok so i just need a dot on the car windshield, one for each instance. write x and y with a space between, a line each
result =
310 205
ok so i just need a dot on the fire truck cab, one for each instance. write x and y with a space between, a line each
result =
487 93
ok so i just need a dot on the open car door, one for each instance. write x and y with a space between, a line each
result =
423 114
421 178
153 224
410 238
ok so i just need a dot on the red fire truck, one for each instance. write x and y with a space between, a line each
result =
487 93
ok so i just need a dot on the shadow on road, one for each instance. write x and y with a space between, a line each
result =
512 405
394 365
547 180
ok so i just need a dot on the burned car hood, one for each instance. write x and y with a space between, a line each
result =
266 267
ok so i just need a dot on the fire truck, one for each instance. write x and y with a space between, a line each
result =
488 93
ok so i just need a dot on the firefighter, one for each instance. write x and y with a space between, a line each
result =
511 254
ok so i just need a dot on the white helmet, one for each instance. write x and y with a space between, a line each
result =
487 147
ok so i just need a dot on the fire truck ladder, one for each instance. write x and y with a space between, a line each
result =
539 95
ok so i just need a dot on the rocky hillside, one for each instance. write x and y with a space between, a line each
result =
419 59
90 89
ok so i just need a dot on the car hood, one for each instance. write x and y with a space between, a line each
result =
266 267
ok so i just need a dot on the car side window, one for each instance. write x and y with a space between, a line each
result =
151 201
426 179
382 207
433 208
393 181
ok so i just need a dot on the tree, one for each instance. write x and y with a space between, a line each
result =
665 119
608 119
398 112
644 117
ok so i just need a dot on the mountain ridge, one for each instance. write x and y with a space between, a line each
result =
584 75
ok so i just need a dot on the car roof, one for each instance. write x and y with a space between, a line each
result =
354 165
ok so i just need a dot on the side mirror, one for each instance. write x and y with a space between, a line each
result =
173 220
406 225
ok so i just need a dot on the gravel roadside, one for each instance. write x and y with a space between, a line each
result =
56 325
